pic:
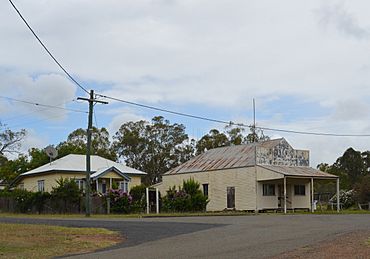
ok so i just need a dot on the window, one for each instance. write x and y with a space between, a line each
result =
230 197
81 184
41 185
205 189
269 190
123 186
300 189
21 186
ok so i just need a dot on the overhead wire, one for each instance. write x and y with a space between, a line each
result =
42 105
230 122
170 111
46 49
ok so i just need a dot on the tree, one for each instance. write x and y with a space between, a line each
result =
232 135
10 141
362 190
77 140
153 147
12 168
212 140
350 164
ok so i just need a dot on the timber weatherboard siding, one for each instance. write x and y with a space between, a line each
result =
243 179
29 182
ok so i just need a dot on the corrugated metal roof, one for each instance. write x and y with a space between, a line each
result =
299 171
219 158
77 163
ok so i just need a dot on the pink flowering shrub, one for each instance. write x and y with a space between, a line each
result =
120 201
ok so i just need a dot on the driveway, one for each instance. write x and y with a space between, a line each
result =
216 237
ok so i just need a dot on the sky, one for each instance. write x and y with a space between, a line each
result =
306 64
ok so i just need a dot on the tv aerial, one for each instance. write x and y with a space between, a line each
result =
51 152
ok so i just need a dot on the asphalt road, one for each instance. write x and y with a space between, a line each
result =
215 237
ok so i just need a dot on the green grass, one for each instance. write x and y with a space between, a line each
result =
42 241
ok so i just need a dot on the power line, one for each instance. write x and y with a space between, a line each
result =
42 105
230 122
171 112
35 121
314 133
46 49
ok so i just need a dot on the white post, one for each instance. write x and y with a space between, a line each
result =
147 200
312 193
284 194
97 184
338 200
157 200
110 183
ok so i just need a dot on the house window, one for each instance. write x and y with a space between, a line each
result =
21 186
269 190
230 197
205 189
123 186
41 185
81 184
300 189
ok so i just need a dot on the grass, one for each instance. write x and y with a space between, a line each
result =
178 214
42 241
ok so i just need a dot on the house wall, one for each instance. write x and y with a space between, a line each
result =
265 174
30 182
293 201
300 201
243 179
267 202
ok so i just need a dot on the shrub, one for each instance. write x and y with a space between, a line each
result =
189 198
346 198
138 198
120 201
23 200
66 195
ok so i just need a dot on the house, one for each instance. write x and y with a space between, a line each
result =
268 175
106 174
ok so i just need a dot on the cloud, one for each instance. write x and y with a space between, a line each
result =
121 116
48 89
345 22
182 55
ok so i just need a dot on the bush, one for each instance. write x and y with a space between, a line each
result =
66 195
138 198
23 200
346 199
120 201
189 198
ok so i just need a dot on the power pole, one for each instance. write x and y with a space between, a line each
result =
254 122
91 101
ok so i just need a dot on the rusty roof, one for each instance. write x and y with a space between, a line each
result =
298 171
223 158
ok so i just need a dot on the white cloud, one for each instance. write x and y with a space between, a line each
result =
121 116
48 89
213 54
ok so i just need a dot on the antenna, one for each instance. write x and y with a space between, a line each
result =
51 152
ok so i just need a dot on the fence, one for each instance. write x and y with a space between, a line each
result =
52 206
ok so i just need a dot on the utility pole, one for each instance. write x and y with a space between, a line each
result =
254 122
91 101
